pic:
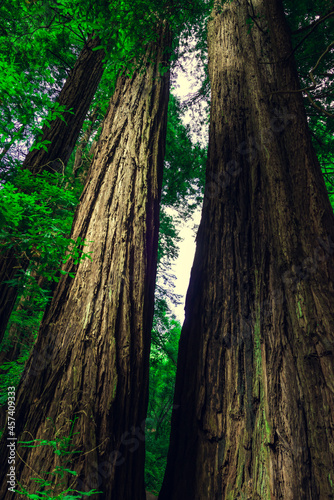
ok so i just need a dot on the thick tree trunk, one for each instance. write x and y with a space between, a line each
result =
254 393
90 361
76 95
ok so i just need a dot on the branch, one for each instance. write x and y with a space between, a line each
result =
322 55
314 24
11 142
67 66
322 110
254 18
81 37
312 87
329 180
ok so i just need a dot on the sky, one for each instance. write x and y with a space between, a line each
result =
185 84
181 268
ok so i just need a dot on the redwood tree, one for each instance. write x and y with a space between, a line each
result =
254 397
89 366
62 134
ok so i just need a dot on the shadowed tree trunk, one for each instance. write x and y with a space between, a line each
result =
254 393
19 340
90 362
20 337
79 160
76 95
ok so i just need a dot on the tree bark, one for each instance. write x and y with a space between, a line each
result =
91 357
76 95
254 393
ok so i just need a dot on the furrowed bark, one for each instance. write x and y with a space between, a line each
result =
76 96
254 392
90 361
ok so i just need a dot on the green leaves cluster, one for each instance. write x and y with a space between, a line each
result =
184 173
35 58
36 213
165 338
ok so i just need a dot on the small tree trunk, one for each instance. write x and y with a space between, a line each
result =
91 358
76 95
254 392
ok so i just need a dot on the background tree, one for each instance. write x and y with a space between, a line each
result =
254 387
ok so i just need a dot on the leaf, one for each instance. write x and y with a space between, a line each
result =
70 472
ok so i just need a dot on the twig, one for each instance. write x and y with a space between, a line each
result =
314 26
330 115
316 22
312 87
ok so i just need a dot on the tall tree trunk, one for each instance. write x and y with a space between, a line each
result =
76 95
90 361
254 393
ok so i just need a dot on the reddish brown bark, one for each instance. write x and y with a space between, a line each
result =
90 361
76 95
254 393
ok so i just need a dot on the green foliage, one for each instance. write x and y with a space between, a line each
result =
184 173
13 372
21 333
165 337
51 488
168 238
36 213
34 60
39 42
125 24
323 144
